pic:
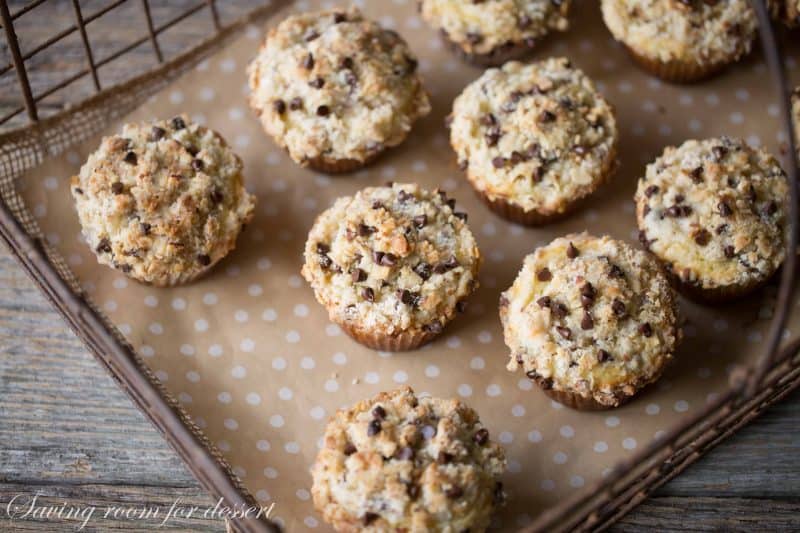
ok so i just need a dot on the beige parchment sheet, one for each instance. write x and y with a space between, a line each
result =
257 364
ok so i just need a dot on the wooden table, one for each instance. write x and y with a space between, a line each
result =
68 433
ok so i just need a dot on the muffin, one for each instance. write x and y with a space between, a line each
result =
491 33
786 11
162 201
591 320
796 115
682 40
714 212
392 265
335 89
397 462
534 139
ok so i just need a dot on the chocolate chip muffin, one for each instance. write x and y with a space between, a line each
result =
786 11
392 264
162 201
335 89
397 462
591 320
682 40
714 211
534 139
489 33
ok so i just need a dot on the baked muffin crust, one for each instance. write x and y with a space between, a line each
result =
333 85
537 135
397 462
590 317
685 31
162 201
714 211
392 259
482 27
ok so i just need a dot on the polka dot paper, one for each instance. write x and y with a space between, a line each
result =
253 358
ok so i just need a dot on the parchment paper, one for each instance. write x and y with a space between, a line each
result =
254 358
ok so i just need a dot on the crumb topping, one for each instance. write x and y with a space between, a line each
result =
399 462
715 212
701 31
333 84
591 316
481 27
538 135
392 259
162 201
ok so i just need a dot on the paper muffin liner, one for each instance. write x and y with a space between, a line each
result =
401 342
581 403
328 165
714 295
678 71
495 57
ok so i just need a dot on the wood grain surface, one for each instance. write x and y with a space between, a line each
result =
67 433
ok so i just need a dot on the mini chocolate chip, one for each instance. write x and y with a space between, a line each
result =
721 229
587 322
104 246
358 275
603 356
544 274
461 306
365 231
474 37
697 174
488 120
117 187
373 428
572 252
537 174
131 158
379 412
559 310
651 190
311 35
433 327
296 103
323 248
547 116
678 211
407 297
544 301
145 227
423 270
308 61
724 209
454 492
323 111
481 437
719 152
368 294
420 221
376 205
157 133
178 123
370 518
679 198
279 106
198 165
317 83
191 149
388 259
406 453
564 332
413 491
460 215
349 449
78 190
444 458
499 162
702 237
771 208
616 272
204 259
646 329
618 306
492 136
339 17
730 251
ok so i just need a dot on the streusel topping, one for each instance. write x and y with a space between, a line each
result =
398 462
538 135
162 201
481 27
333 84
392 259
591 316
694 31
715 212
